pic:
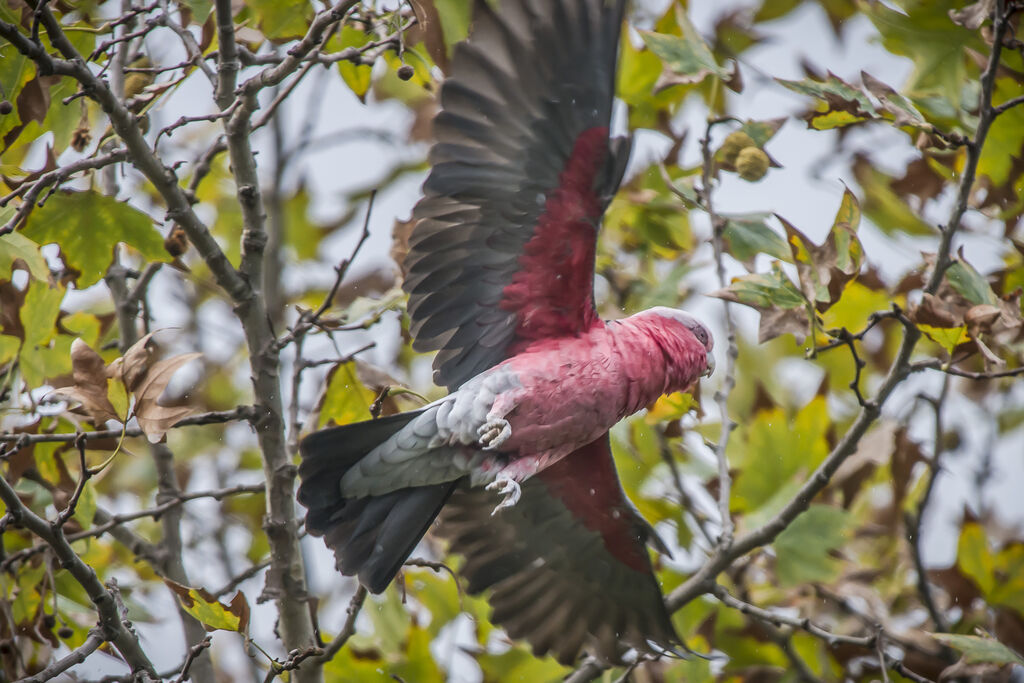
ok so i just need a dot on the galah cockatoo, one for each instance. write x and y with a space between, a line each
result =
515 461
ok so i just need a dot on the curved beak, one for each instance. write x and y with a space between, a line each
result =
710 366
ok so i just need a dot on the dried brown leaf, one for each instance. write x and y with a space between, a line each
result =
973 16
132 366
981 318
155 419
90 383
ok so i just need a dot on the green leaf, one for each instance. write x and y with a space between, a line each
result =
922 31
454 16
345 400
282 19
772 448
803 548
8 348
978 649
356 76
1009 591
16 247
687 58
418 664
39 313
782 306
974 557
748 235
87 226
970 284
761 132
86 508
213 614
839 103
519 665
947 337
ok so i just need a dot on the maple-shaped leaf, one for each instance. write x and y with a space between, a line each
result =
839 103
824 270
155 419
211 612
90 385
782 306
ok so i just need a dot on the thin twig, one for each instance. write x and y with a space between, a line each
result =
110 622
718 224
914 522
115 520
56 177
347 629
241 413
1006 106
76 657
238 579
193 652
307 321
950 370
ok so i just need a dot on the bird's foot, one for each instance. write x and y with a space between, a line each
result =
509 489
493 433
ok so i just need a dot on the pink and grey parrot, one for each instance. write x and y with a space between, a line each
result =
515 462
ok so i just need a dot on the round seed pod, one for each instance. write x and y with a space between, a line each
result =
752 164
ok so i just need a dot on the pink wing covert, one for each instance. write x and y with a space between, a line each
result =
503 253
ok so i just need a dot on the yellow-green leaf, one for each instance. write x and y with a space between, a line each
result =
87 226
14 247
346 400
213 614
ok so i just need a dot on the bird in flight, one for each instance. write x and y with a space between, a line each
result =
515 463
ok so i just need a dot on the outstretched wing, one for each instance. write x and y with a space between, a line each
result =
567 564
523 168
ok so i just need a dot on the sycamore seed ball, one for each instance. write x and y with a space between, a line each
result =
735 143
752 164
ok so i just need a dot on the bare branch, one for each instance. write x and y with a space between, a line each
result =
193 653
914 521
718 224
126 126
247 413
112 628
956 372
112 521
347 629
306 322
987 114
56 177
76 657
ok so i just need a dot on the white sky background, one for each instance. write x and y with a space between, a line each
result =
806 191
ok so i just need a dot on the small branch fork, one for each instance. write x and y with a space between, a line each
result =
29 192
113 629
246 413
874 642
116 520
310 319
703 581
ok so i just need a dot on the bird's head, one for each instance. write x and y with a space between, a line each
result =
695 327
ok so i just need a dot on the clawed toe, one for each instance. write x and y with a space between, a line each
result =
493 433
509 489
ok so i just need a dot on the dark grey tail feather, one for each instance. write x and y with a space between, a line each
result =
371 537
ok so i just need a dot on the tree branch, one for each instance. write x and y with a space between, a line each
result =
77 656
110 624
214 417
347 629
56 177
125 124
